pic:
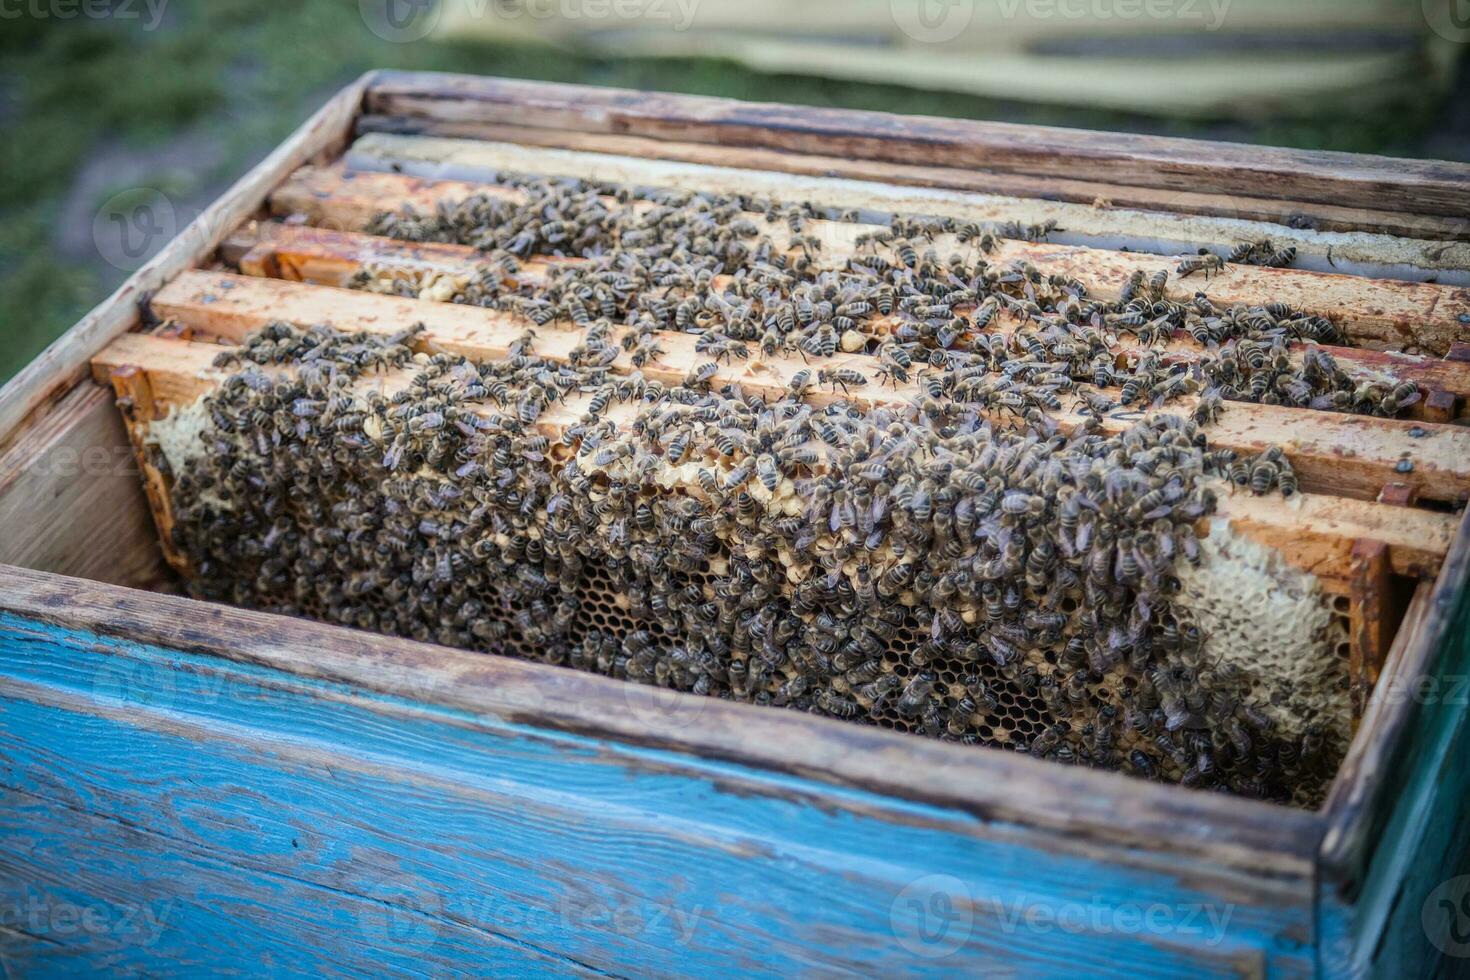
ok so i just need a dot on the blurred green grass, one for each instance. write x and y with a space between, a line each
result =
222 81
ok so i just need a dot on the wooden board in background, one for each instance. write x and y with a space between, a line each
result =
1246 58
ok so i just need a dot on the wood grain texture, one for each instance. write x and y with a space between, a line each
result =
1346 455
328 257
140 407
91 892
1103 206
71 501
1312 532
1167 229
703 866
1371 617
1396 831
1006 792
1376 313
64 363
1421 187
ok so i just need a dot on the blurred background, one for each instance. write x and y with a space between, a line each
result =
106 102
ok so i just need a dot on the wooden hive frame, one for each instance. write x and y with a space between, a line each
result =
1320 891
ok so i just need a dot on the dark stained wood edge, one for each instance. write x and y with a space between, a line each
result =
1430 187
1362 798
1098 809
1073 189
63 364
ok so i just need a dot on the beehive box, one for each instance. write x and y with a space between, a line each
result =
199 783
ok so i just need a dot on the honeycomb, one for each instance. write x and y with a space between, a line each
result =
948 560
594 601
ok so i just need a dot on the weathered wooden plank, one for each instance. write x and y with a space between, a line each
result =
778 869
1346 455
1316 532
87 894
1097 221
1396 844
1079 204
64 363
1422 187
139 406
1370 617
1313 533
460 858
326 257
70 501
1378 313
1003 792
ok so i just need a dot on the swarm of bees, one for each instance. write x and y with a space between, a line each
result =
953 564
747 276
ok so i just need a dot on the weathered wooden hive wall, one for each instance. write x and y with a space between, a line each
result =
444 493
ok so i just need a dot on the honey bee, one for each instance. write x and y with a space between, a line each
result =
737 540
844 378
1206 262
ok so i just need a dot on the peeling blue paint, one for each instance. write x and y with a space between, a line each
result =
304 825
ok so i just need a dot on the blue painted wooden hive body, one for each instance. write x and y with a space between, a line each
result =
191 786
